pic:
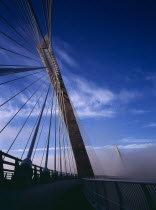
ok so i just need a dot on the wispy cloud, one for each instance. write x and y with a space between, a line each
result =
41 149
128 146
136 140
65 57
89 99
150 125
139 111
92 100
126 96
64 53
137 146
151 77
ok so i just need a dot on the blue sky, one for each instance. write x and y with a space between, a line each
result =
106 51
112 50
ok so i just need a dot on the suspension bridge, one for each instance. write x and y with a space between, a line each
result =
44 161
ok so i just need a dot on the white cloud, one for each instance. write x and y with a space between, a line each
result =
136 146
41 149
64 54
92 100
150 125
101 95
126 96
100 113
139 111
128 146
151 77
89 99
131 139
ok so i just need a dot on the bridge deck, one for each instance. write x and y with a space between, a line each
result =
58 195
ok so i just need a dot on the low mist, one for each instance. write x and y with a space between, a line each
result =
135 162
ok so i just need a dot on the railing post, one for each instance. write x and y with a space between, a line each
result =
14 177
35 175
45 176
1 168
16 164
119 195
40 173
105 195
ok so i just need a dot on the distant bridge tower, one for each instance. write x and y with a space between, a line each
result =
83 164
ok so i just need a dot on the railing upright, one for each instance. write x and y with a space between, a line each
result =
1 168
35 174
119 195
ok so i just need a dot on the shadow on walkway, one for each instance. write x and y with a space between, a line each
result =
74 199
59 195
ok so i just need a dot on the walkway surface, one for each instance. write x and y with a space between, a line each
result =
59 195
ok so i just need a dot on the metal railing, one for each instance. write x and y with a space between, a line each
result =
109 194
9 165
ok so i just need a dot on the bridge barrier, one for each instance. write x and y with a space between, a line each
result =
9 165
107 194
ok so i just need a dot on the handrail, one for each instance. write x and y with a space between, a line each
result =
120 194
122 180
8 174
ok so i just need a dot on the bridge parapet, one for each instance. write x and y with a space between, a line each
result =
10 164
106 194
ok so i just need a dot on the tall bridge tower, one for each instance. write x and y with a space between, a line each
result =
83 164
